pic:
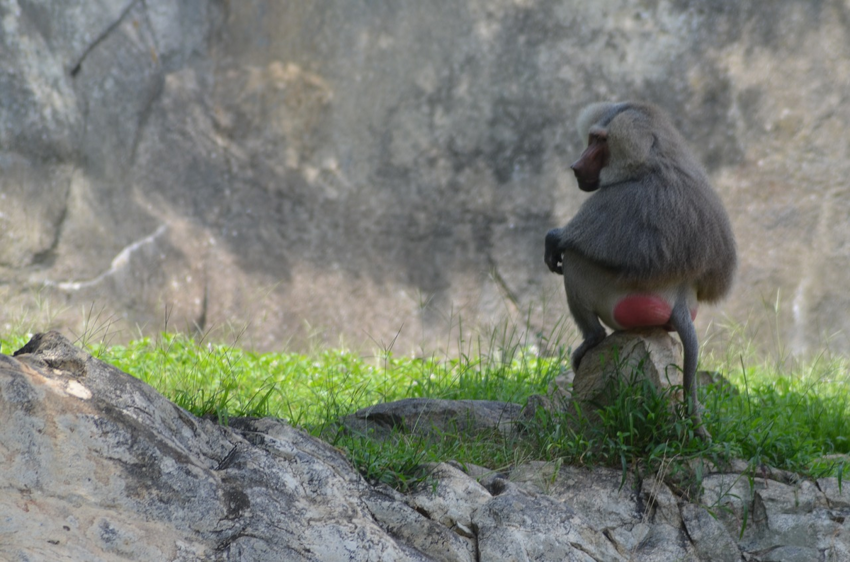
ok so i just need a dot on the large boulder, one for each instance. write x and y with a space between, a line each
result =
331 168
96 465
651 355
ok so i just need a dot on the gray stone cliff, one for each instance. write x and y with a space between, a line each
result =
331 168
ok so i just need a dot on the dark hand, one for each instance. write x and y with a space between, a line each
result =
553 255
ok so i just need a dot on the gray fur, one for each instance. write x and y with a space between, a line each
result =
655 218
654 223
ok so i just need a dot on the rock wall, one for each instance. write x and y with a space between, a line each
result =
372 169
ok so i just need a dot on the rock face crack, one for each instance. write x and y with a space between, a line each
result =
225 544
78 63
228 459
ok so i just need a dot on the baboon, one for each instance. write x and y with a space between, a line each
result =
652 241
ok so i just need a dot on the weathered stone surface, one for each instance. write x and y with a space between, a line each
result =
449 495
664 542
376 171
517 526
599 494
640 529
641 521
660 504
98 466
422 533
651 355
535 477
428 415
837 495
710 538
783 521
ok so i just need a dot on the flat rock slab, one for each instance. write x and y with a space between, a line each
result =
429 416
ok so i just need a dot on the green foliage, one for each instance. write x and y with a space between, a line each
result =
785 414
315 391
222 381
633 428
13 342
796 421
397 461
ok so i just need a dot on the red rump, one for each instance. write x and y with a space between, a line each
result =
639 311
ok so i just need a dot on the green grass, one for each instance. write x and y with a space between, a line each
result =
795 421
781 413
311 390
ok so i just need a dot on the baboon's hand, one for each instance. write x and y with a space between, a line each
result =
553 255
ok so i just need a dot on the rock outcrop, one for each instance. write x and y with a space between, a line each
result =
426 416
377 170
96 466
652 354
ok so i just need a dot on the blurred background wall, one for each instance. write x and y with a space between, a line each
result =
373 171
